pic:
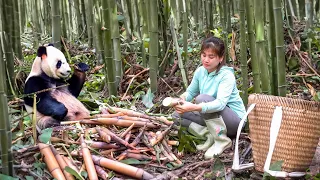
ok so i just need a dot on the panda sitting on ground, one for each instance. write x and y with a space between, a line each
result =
49 71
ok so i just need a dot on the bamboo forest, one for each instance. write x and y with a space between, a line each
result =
159 89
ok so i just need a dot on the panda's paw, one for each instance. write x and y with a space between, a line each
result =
82 67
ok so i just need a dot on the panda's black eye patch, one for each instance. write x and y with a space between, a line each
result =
59 64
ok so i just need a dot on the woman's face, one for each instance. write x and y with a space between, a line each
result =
210 60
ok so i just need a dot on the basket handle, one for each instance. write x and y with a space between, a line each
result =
236 165
274 131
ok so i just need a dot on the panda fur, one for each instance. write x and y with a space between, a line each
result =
49 71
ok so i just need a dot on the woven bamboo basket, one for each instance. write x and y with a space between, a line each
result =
298 135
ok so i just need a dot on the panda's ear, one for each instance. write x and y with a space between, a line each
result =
51 44
42 51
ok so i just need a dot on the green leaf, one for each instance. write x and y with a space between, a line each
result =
133 161
84 174
5 177
147 99
45 135
276 166
29 178
218 168
73 172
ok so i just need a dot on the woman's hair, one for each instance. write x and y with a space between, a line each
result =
217 46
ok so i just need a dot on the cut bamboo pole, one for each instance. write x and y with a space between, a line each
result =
88 160
116 122
51 161
70 164
62 163
122 168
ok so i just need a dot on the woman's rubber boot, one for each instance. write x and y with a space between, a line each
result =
201 131
218 130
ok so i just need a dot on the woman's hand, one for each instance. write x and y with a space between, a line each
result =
186 106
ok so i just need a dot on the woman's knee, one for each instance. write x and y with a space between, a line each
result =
203 98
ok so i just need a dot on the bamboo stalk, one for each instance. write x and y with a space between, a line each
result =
181 65
70 164
122 168
51 161
61 163
34 119
88 160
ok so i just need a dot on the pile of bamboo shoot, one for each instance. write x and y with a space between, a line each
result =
105 140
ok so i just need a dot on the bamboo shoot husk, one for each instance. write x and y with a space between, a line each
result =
101 145
115 137
129 112
159 136
88 160
122 168
105 115
62 164
105 136
101 172
126 131
51 161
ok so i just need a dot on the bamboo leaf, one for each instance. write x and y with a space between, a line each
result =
147 99
276 166
133 161
218 168
29 178
73 172
45 135
5 177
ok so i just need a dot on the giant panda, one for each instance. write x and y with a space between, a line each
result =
56 95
